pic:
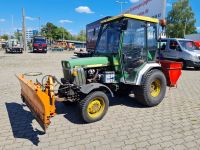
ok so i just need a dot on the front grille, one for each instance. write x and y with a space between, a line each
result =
40 46
80 79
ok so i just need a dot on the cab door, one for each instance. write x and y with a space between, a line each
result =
134 53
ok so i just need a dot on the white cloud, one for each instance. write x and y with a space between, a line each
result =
65 21
84 9
134 1
198 28
2 20
31 18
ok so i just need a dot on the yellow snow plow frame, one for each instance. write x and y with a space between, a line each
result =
40 99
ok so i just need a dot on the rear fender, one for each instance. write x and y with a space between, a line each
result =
145 70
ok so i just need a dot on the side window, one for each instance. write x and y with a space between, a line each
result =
163 45
173 45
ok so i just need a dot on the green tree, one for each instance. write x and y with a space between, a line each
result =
81 36
62 33
48 30
53 32
5 37
180 20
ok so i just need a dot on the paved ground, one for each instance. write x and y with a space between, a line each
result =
174 124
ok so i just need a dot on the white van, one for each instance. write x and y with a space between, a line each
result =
182 50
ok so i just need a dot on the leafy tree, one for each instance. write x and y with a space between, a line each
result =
53 32
62 33
48 30
180 20
81 36
5 37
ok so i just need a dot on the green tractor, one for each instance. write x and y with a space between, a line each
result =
124 62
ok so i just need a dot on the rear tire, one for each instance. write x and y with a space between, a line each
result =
94 106
153 89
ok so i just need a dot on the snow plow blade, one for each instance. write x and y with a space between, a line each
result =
39 99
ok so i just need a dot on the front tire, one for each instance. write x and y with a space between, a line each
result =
153 89
94 106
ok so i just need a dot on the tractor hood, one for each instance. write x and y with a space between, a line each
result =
90 62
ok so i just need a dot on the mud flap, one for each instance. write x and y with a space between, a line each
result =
40 102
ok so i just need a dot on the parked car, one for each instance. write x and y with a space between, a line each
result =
181 50
39 44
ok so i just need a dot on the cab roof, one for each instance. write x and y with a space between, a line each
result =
143 18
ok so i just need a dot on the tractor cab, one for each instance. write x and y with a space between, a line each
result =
131 42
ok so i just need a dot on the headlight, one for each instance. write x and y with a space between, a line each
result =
65 65
75 72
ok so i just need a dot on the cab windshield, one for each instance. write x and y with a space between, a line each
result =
109 39
39 40
188 45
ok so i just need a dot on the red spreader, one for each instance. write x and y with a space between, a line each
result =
172 71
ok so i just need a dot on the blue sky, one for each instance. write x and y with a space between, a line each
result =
72 14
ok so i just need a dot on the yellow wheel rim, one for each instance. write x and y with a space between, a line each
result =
155 88
96 107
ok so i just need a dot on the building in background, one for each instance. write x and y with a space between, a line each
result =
29 34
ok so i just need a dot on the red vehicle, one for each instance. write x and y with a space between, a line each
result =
39 44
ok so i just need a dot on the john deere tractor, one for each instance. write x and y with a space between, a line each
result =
124 62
